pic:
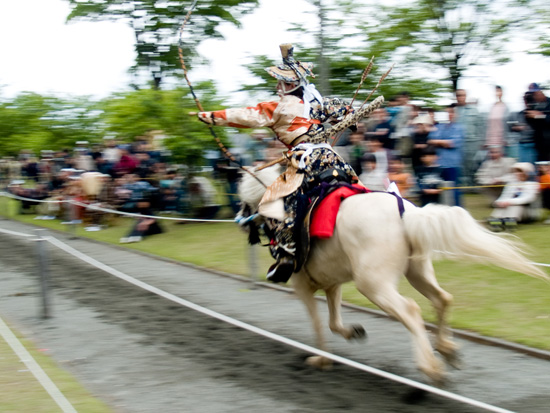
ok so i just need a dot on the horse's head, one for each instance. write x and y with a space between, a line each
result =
252 188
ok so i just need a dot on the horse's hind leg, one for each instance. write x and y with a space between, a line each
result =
421 275
382 291
334 302
306 292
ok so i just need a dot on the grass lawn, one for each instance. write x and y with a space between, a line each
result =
488 300
21 391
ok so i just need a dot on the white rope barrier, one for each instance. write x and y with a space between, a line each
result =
304 347
270 335
110 211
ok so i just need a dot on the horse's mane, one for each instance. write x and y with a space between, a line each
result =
251 191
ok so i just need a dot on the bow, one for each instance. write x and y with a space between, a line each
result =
222 147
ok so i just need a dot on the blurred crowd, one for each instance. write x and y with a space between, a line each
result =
502 154
431 156
132 178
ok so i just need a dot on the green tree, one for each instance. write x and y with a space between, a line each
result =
34 122
443 38
156 24
135 114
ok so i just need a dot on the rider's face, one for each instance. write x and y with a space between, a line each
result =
284 88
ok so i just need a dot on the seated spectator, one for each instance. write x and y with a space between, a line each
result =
429 177
495 170
544 180
203 198
373 178
29 194
517 201
127 164
133 190
145 226
402 178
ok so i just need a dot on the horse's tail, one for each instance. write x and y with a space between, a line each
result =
453 233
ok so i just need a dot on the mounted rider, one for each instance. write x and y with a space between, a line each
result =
297 120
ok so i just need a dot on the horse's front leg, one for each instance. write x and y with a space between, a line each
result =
306 292
334 302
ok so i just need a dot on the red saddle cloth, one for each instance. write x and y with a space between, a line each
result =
324 215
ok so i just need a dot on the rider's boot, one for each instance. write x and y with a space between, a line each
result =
282 270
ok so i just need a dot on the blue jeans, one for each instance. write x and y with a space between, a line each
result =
452 174
527 152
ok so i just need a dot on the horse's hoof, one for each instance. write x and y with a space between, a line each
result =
319 362
453 359
357 332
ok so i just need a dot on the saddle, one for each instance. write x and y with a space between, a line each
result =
320 215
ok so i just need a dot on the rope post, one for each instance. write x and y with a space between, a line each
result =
43 269
253 263
447 197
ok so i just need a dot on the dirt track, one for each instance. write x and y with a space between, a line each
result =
141 353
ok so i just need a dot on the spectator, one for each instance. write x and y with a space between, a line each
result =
523 132
382 129
126 164
355 151
494 171
517 201
134 190
448 140
376 148
203 198
423 125
468 116
538 117
373 177
429 177
397 174
111 154
257 145
544 180
144 226
497 128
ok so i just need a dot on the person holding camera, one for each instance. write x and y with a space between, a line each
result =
537 116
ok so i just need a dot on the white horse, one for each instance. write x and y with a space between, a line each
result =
374 246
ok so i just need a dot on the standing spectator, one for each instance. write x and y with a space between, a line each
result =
257 145
355 151
382 129
423 125
495 170
516 204
544 181
382 155
373 177
400 176
538 116
448 140
524 133
497 128
203 198
111 154
429 177
468 116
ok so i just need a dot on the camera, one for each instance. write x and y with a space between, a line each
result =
529 100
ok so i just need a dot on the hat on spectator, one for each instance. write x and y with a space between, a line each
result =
534 87
526 167
423 119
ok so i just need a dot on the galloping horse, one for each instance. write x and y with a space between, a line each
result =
374 246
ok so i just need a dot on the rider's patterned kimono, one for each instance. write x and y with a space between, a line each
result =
286 119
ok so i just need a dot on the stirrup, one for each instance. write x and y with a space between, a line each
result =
281 271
